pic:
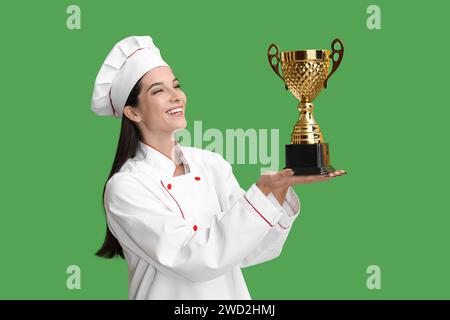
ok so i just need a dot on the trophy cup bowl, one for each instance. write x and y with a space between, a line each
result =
305 73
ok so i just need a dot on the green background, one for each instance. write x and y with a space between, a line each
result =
383 115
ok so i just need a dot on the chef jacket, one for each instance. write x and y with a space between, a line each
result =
188 236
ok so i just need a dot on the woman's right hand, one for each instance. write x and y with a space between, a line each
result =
285 178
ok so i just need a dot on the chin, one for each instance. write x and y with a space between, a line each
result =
181 125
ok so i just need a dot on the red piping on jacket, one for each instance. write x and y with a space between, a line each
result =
173 199
258 211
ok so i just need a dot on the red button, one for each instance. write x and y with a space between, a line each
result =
195 227
169 186
197 178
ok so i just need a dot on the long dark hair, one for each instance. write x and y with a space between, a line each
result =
126 148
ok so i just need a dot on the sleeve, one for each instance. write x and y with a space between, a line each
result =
272 244
143 224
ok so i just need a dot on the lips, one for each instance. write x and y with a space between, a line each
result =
175 111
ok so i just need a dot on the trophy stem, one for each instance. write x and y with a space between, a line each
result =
306 130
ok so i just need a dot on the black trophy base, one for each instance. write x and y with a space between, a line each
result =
308 159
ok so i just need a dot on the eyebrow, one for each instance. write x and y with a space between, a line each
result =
156 83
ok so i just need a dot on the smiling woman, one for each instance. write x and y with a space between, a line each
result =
177 214
154 113
143 110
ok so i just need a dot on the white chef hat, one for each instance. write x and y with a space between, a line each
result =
125 64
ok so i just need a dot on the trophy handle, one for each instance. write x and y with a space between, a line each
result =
336 62
276 55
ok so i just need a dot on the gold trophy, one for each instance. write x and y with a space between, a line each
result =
305 74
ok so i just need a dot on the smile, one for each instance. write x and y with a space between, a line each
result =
175 111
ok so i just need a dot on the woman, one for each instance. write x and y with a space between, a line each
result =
177 214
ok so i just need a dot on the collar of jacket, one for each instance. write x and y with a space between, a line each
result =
162 163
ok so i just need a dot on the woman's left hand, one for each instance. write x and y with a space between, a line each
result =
280 193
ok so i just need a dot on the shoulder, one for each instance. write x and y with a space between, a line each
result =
122 181
128 190
132 173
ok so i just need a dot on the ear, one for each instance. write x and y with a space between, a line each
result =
132 114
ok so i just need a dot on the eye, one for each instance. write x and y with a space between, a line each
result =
177 86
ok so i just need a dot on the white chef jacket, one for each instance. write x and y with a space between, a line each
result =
188 236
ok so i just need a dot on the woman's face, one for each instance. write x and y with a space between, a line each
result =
160 93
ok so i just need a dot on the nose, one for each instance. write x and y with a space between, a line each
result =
176 95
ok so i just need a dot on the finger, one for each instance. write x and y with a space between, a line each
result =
281 180
321 179
340 172
324 177
269 173
308 179
282 174
287 172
